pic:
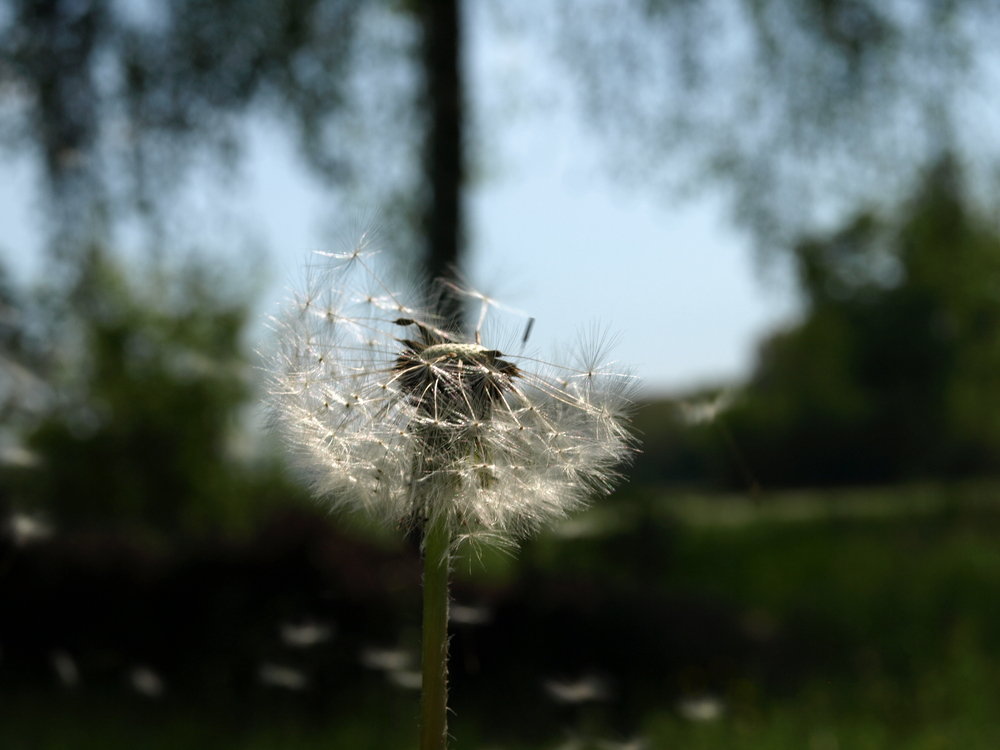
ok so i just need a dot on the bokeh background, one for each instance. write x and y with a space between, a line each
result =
788 209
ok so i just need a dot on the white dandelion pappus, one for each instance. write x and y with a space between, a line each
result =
389 412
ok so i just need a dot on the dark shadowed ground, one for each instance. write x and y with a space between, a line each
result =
851 619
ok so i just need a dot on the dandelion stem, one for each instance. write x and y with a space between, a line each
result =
434 700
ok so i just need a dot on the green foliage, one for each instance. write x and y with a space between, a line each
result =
871 617
177 70
18 361
791 104
669 453
182 79
94 720
875 610
146 417
893 373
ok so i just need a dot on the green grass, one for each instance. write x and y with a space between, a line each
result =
887 602
876 615
104 720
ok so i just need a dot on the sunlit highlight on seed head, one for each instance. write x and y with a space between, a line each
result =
388 411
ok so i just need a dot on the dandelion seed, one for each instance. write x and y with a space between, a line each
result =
463 614
587 689
701 708
305 634
18 456
65 668
705 411
146 682
388 412
386 659
279 676
24 529
406 679
391 412
637 743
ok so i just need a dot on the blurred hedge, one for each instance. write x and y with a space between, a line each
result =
892 374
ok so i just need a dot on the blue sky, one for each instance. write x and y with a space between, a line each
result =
556 240
678 283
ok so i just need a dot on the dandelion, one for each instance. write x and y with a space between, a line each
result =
390 411
146 682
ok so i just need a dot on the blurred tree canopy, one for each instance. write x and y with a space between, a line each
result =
806 109
113 94
147 387
120 98
894 372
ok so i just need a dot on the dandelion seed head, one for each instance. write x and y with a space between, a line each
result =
388 411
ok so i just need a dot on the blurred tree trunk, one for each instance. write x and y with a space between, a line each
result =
441 221
183 82
64 40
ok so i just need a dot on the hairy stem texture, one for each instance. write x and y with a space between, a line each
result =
434 700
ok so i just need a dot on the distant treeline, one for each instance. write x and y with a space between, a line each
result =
892 374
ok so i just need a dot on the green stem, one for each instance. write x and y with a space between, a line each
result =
434 700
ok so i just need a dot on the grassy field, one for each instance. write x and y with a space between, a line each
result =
880 610
811 620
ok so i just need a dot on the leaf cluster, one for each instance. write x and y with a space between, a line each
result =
892 374
145 416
